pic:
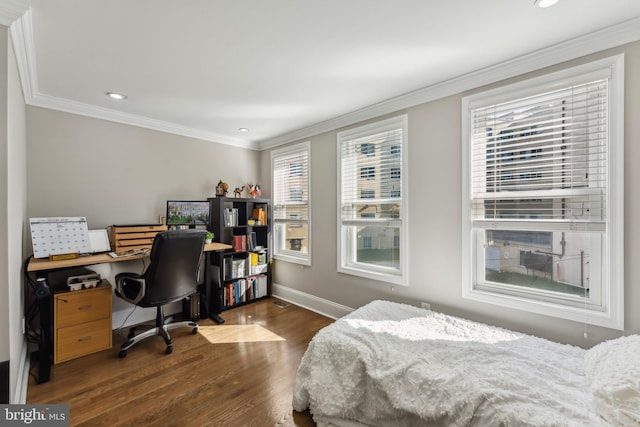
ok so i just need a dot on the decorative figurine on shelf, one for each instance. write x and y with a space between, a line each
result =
238 191
221 189
254 190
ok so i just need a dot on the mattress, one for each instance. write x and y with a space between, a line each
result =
391 364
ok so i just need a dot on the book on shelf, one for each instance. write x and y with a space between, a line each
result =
238 268
260 215
253 258
251 292
251 240
261 286
230 295
258 269
231 217
239 243
227 268
241 285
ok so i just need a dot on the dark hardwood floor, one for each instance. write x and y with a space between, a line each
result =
201 383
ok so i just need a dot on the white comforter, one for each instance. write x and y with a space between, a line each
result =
389 364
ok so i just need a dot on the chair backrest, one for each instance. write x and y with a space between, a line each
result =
173 272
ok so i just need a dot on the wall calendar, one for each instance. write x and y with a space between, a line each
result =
57 236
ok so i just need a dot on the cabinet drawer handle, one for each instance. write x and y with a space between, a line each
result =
84 307
87 338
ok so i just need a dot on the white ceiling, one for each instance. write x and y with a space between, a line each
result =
282 68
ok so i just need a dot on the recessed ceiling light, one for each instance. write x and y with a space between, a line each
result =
545 3
243 130
115 95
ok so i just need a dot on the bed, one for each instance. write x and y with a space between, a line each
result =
391 364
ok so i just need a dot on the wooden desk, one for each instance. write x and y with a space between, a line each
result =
43 264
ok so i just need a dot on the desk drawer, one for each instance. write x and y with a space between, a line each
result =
82 306
79 340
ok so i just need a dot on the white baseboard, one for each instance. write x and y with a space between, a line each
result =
310 302
20 395
133 315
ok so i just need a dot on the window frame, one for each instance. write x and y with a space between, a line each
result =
611 254
346 247
280 252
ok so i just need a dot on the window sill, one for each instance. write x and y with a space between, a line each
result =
606 318
293 259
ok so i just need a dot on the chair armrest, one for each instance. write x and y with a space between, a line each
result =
130 287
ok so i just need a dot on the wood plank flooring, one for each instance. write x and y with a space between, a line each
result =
200 384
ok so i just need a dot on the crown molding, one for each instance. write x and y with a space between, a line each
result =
10 10
593 42
15 14
24 48
74 107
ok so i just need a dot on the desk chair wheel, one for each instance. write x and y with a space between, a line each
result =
194 330
169 350
122 354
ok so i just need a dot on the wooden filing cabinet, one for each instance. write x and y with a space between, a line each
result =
133 237
81 322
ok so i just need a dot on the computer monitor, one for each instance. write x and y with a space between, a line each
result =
190 213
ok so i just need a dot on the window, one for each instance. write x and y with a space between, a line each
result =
291 203
542 195
368 172
367 194
372 213
368 149
295 169
395 174
296 194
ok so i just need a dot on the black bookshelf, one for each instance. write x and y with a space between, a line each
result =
241 275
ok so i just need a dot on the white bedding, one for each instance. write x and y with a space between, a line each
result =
389 364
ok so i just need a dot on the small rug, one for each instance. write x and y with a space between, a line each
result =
237 333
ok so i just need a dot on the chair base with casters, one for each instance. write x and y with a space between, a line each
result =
162 328
171 276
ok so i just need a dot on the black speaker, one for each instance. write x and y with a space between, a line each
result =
45 344
191 307
41 290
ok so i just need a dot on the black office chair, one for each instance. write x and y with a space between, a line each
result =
172 275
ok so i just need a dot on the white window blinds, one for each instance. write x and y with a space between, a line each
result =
372 181
540 162
291 203
372 201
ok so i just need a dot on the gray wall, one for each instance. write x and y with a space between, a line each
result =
119 174
112 173
435 222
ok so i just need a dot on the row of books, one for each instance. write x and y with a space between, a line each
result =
258 217
242 243
244 290
256 263
231 217
234 267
